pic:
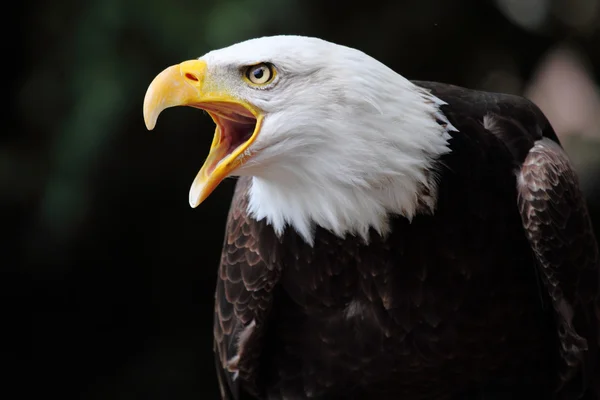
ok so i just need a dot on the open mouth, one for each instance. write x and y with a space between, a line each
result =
238 121
235 127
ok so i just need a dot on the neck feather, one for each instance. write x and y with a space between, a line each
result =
383 163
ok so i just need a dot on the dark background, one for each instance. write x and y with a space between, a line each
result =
109 273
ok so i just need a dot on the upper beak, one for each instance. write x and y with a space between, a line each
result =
184 85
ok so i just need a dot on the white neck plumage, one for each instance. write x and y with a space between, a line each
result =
365 148
387 167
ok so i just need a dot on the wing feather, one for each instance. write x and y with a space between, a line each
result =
243 298
558 227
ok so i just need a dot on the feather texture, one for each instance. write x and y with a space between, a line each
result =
496 294
391 239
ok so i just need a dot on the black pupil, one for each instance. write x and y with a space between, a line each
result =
259 73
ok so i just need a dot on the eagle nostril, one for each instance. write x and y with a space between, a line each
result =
191 77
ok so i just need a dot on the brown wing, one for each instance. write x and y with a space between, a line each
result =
243 297
557 225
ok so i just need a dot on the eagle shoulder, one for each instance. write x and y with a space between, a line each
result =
558 227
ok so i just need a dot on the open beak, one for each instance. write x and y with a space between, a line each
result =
238 122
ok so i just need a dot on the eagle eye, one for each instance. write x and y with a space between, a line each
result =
260 74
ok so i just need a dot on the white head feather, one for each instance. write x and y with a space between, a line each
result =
345 141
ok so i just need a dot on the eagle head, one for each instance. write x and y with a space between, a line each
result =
330 136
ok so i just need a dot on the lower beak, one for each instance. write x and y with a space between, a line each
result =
185 85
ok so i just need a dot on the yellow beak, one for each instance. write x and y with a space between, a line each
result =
185 85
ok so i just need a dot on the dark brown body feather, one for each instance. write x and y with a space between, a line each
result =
495 296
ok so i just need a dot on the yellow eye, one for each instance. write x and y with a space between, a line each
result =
260 74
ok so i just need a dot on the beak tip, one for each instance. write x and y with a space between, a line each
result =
152 109
150 124
150 113
194 200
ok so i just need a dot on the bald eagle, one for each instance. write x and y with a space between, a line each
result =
387 238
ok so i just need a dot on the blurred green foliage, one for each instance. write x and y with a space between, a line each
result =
103 71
